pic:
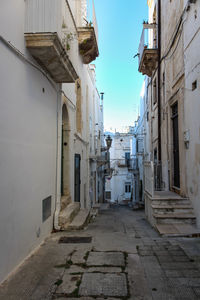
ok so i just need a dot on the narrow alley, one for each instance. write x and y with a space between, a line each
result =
99 149
117 256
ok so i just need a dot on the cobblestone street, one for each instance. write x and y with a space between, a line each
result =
118 256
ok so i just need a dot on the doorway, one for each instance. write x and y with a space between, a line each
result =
65 153
175 129
77 177
128 190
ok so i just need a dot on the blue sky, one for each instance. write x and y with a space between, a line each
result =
120 27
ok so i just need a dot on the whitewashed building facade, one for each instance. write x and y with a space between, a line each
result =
48 97
119 185
169 57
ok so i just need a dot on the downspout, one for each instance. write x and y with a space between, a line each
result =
57 196
159 81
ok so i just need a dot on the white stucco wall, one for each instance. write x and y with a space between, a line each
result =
192 105
31 133
28 122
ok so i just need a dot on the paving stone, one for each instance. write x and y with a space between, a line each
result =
158 248
165 258
88 298
182 281
197 291
145 247
104 270
178 265
78 257
136 276
159 288
151 266
181 259
81 298
146 252
97 284
161 253
68 285
173 247
75 269
173 273
180 290
106 259
13 297
177 253
191 273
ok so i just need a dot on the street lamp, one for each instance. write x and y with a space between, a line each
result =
108 142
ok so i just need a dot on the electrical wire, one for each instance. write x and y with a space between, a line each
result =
27 60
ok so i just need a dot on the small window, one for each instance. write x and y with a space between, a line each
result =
108 195
127 187
127 158
46 208
194 85
154 91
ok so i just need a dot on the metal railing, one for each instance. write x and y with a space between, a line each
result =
152 177
148 39
149 177
94 21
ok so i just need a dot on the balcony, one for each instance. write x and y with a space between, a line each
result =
133 165
88 40
124 163
44 38
148 50
88 47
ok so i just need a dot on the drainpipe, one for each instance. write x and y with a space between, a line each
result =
159 85
57 194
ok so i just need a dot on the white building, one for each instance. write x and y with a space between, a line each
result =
169 57
119 184
141 146
48 96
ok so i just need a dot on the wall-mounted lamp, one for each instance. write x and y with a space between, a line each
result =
108 142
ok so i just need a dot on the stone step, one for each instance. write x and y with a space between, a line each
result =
175 230
174 218
80 220
162 209
171 201
65 201
67 214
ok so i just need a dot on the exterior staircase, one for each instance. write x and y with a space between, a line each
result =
171 214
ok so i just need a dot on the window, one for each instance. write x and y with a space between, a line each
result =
127 187
155 91
194 85
46 208
127 158
155 155
108 195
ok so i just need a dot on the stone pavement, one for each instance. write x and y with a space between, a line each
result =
118 256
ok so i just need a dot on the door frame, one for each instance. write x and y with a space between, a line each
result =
77 178
175 146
